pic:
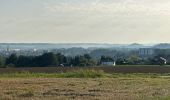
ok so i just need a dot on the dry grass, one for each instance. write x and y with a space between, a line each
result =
120 88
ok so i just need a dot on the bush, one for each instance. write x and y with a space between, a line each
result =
84 74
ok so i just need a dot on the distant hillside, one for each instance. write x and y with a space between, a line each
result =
135 45
57 45
54 46
45 46
162 46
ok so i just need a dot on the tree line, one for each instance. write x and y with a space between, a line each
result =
53 60
48 59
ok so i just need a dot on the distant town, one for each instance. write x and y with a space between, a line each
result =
84 54
35 49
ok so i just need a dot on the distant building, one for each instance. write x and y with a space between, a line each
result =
109 63
146 52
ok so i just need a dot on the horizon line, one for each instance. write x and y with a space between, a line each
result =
77 43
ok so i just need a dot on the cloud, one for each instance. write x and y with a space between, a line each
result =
115 21
126 7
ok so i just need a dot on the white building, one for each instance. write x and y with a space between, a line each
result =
109 63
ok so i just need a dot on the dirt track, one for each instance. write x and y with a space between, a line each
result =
117 69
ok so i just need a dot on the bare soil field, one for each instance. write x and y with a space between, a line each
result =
120 88
116 69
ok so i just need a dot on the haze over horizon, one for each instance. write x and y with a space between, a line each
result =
85 21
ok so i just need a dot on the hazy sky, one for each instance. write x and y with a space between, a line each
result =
96 21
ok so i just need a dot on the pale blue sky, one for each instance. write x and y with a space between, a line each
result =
87 21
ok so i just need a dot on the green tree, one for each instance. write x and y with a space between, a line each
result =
133 59
47 59
11 60
87 56
105 59
24 61
2 62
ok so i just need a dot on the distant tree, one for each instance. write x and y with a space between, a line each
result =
106 59
121 61
61 58
24 61
69 61
11 60
47 59
157 60
2 62
87 56
83 61
76 61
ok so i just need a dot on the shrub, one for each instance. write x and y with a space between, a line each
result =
84 74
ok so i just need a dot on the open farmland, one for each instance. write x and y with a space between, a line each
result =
117 69
85 84
117 88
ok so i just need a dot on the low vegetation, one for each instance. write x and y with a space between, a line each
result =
81 74
83 85
52 60
74 74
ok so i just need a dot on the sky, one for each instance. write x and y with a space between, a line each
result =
85 21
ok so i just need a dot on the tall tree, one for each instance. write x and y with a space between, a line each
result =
12 60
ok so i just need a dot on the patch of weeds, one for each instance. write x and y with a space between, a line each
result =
84 74
28 93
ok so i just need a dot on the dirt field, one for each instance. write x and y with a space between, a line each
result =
117 69
122 88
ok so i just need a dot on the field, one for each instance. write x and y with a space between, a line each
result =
117 69
117 87
84 84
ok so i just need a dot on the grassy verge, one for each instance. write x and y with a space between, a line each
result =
75 85
82 74
74 74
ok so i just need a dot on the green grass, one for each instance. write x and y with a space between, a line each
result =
82 74
74 74
142 75
63 86
28 74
